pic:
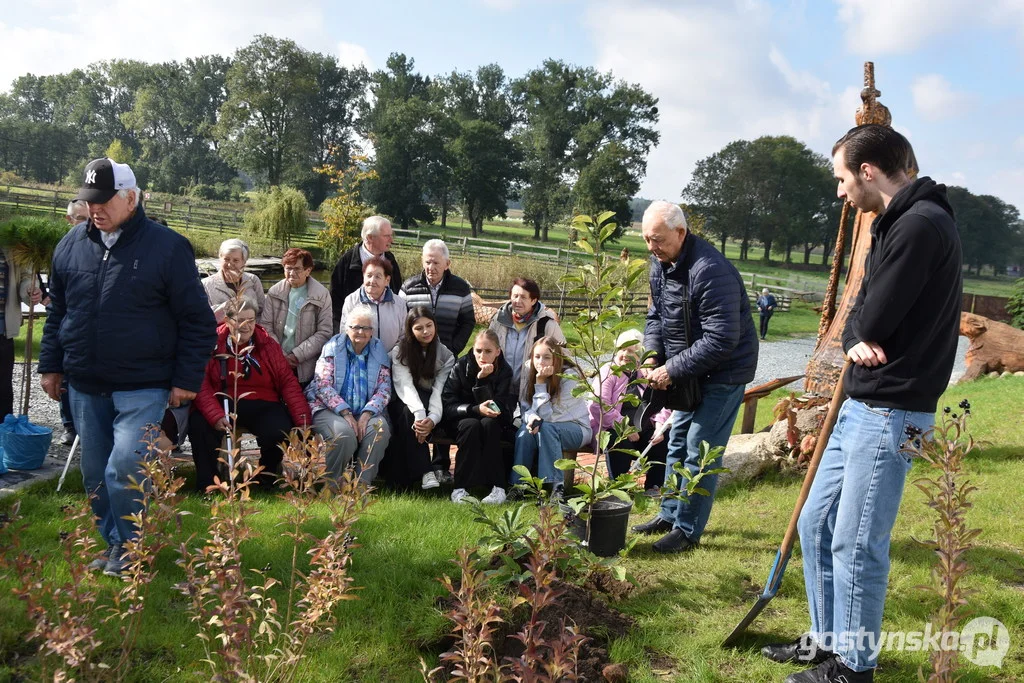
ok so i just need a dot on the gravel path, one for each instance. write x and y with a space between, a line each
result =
782 358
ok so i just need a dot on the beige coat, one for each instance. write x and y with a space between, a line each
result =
17 292
217 291
313 328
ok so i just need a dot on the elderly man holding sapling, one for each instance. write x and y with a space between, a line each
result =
347 276
130 327
701 333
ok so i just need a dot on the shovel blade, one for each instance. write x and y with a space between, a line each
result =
771 587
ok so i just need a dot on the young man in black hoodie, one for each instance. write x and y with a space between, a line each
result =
901 336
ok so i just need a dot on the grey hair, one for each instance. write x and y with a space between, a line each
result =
670 213
123 194
765 291
437 245
77 204
234 244
362 311
372 226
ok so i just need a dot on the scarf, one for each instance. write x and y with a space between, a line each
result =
526 317
247 362
356 389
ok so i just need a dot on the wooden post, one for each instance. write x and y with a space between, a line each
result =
749 414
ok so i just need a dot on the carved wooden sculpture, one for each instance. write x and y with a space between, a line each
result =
823 368
995 346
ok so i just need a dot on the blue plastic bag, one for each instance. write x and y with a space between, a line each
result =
24 444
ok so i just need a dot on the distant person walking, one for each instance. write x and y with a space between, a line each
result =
765 306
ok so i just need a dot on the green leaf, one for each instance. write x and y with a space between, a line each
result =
564 464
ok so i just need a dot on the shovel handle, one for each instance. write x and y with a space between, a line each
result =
812 466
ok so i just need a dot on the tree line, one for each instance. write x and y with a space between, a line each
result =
776 193
562 139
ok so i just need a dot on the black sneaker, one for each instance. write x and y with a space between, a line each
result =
117 564
832 671
444 477
655 526
803 650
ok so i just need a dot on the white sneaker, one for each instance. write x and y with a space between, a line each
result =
458 495
495 497
429 481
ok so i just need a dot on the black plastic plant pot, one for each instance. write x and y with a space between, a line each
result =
608 524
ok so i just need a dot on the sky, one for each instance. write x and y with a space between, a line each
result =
950 71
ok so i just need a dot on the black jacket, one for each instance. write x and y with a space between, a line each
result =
131 317
454 310
909 301
463 392
723 348
347 277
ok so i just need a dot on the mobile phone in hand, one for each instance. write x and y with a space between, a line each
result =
493 406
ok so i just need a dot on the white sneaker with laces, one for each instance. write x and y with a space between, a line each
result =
495 497
429 481
458 495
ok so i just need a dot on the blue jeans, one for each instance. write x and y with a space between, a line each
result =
846 523
712 422
111 427
545 447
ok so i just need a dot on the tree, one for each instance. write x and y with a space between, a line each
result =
397 124
485 160
262 124
279 214
344 211
990 229
575 117
773 189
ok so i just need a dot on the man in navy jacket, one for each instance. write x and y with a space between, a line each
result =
721 351
130 326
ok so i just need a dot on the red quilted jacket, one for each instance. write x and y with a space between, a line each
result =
275 383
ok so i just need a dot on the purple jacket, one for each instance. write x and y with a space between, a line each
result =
611 389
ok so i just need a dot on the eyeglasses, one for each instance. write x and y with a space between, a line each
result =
246 322
360 328
294 269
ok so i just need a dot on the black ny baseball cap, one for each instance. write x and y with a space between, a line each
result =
103 178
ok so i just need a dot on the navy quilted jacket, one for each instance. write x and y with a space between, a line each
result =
131 317
724 341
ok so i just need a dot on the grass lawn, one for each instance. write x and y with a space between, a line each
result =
683 606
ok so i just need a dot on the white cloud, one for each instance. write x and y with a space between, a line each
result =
901 26
158 30
935 99
351 55
719 77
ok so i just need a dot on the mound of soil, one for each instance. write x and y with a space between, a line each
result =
579 607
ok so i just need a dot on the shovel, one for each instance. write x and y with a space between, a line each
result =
771 586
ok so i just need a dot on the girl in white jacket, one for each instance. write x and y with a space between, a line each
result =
420 365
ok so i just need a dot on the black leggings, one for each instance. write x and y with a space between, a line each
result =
479 461
406 460
268 421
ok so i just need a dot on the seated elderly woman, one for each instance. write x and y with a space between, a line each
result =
231 279
349 393
247 363
521 322
389 309
298 314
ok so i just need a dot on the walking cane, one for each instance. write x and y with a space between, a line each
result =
782 556
228 442
67 463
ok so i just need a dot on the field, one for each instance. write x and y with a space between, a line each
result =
682 606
